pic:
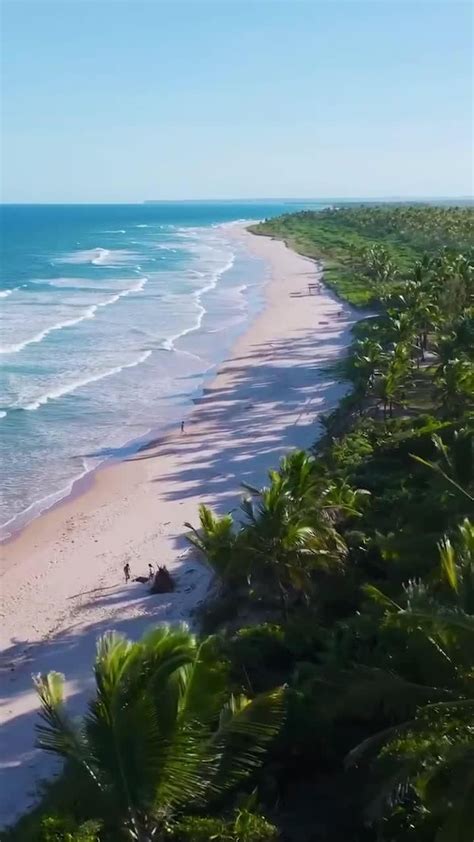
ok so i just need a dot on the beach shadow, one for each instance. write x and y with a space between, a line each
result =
94 590
270 402
70 651
303 294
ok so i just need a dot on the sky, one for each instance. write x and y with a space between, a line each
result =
126 100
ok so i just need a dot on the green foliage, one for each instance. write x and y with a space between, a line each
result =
244 827
350 451
405 435
162 732
430 756
457 565
287 534
64 829
216 540
260 656
62 799
199 829
249 827
366 248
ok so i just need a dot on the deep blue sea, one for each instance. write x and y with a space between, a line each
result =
111 318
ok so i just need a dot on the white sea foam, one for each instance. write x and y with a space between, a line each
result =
87 314
234 222
102 257
38 337
116 231
105 284
138 287
68 388
4 293
168 343
207 256
98 257
2 413
39 506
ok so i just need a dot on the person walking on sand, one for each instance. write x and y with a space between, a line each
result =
126 572
182 426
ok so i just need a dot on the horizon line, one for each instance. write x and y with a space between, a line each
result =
254 199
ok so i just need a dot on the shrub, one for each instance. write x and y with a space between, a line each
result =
244 827
65 829
258 655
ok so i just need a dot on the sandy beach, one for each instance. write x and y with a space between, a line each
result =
62 582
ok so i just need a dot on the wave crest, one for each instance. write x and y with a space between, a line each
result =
4 293
79 384
87 314
98 257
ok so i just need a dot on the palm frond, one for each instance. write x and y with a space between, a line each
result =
447 557
373 692
245 732
203 685
58 734
369 748
443 622
380 598
186 768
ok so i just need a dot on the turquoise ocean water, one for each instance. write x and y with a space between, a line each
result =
111 318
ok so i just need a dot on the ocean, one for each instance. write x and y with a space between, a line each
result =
111 318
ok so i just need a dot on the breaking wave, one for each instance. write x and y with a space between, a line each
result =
87 314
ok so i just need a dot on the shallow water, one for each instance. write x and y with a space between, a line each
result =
110 319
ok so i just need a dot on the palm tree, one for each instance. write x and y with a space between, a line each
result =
456 341
289 529
339 500
390 383
217 540
455 282
455 386
288 532
299 476
418 299
432 754
381 270
162 733
400 327
367 358
307 489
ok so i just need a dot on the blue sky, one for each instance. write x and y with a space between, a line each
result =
124 100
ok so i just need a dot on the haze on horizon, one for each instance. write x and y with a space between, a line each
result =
121 101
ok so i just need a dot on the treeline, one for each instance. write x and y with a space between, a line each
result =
341 236
331 697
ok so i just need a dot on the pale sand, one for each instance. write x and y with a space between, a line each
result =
63 583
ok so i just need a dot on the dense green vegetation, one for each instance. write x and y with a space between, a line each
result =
346 237
348 581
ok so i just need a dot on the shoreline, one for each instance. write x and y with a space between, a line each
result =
63 583
77 485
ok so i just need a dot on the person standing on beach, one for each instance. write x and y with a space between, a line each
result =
151 572
126 572
182 426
